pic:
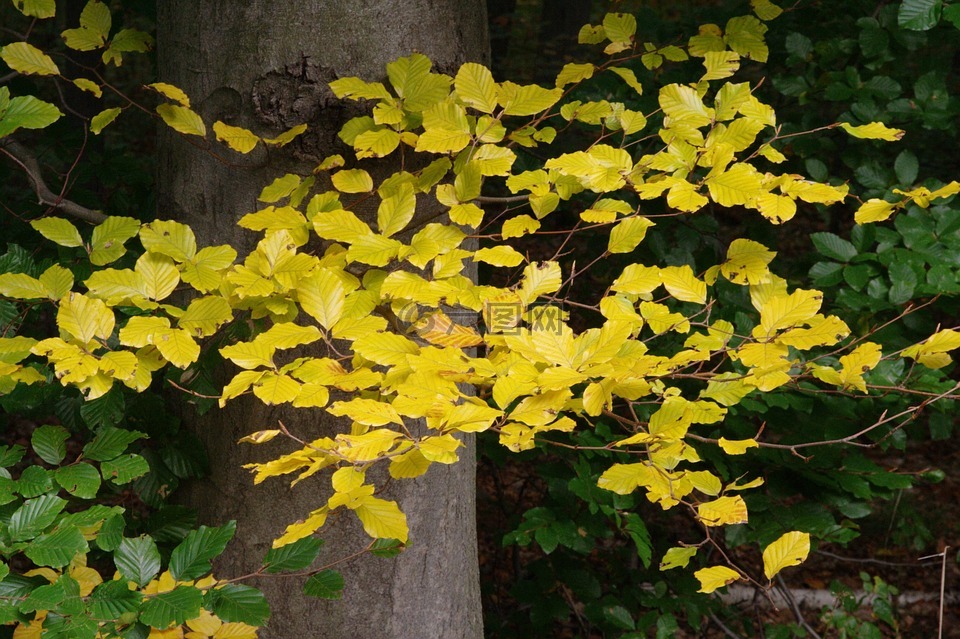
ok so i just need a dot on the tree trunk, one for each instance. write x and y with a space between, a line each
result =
264 64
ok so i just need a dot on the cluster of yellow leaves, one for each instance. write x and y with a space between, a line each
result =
392 322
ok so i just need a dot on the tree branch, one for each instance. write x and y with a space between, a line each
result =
28 162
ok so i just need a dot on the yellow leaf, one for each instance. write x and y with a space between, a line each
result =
37 9
628 76
205 315
471 417
637 279
382 519
85 318
823 331
745 36
304 528
352 181
715 577
357 89
408 465
366 411
747 262
287 136
259 437
932 353
737 186
873 131
367 447
171 92
677 557
385 348
177 347
526 99
322 295
169 238
791 549
440 448
108 238
723 511
375 250
475 86
874 210
627 234
376 142
203 271
765 9
660 319
440 330
519 226
736 446
160 276
27 59
785 311
499 256
237 138
539 278
683 104
396 211
776 208
100 121
720 64
574 72
140 330
683 285
58 230
182 119
340 226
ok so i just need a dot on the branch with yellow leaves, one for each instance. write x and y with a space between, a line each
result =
26 160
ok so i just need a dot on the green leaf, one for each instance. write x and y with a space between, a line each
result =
33 516
49 443
191 559
58 548
101 120
106 410
37 8
833 246
124 468
111 599
110 442
110 535
620 617
238 603
181 119
45 597
641 537
174 607
28 112
296 556
327 584
80 480
386 548
138 559
34 481
919 15
25 58
906 167
10 455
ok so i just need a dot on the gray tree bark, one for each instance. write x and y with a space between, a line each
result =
264 64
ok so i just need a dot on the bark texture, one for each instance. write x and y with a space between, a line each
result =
264 64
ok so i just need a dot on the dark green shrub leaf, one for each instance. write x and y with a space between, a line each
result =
34 481
327 584
138 559
34 515
109 443
49 443
111 533
104 411
125 468
57 548
641 537
10 455
919 15
112 599
386 548
296 556
238 603
619 617
191 559
906 167
80 480
174 607
833 246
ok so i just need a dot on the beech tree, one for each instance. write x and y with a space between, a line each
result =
320 265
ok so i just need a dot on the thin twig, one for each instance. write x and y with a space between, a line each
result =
723 627
943 582
26 160
796 609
